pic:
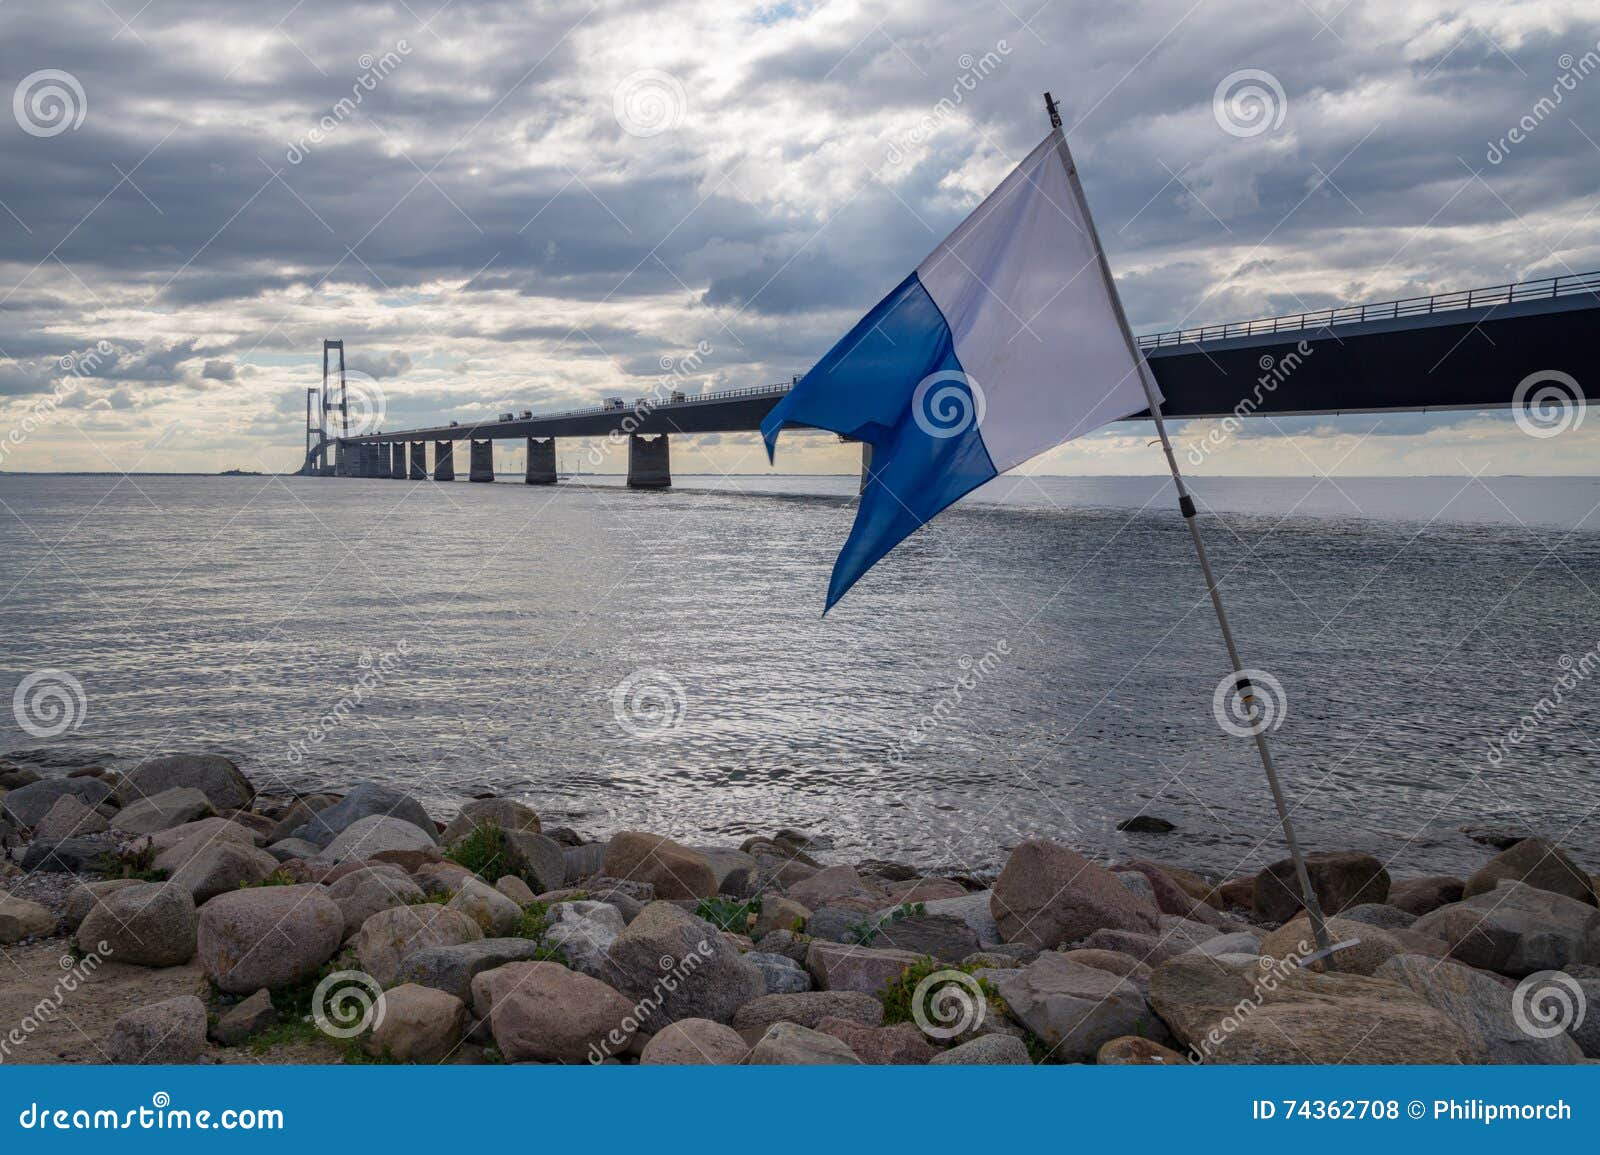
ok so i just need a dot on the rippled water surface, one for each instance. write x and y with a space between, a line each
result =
1040 661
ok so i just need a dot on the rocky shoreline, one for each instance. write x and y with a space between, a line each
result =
173 914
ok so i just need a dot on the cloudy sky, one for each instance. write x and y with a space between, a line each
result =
509 203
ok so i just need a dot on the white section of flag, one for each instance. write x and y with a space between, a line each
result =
1022 288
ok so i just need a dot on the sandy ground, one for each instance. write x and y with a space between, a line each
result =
30 974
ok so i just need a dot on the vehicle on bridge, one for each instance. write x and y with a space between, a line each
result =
612 403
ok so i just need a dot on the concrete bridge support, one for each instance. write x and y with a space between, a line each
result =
397 460
419 461
649 462
341 460
444 460
866 465
380 459
369 459
482 461
541 461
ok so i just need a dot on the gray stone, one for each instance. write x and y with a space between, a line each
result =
67 855
220 867
584 933
808 1009
736 871
712 980
972 909
150 924
387 938
985 1050
20 919
1239 942
1585 1030
162 811
782 974
789 1044
268 936
289 849
26 805
69 818
1480 1007
213 775
1340 878
1517 929
542 1012
836 882
376 833
1380 915
1049 895
505 813
419 1025
583 862
694 1042
539 861
452 968
1537 863
1072 1008
941 936
168 1032
364 801
1138 884
364 894
1420 896
495 914
84 897
838 967
250 1017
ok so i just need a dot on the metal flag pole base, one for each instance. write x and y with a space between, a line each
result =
1319 929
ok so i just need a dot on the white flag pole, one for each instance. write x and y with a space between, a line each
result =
1186 505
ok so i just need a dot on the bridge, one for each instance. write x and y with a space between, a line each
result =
1475 349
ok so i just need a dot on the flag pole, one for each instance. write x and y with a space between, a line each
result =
1186 506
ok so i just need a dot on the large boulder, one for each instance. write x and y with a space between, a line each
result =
789 1045
388 937
674 870
736 871
826 887
1420 896
1069 1007
222 866
501 812
942 936
364 801
197 834
1516 929
213 775
985 1050
419 1025
1481 1007
1340 878
452 968
1169 896
376 833
1537 863
247 1017
539 861
541 1012
27 804
901 1045
70 818
1225 1012
169 1032
681 967
494 913
150 924
841 967
1049 895
67 855
20 919
162 811
778 913
1370 947
86 896
975 909
267 936
584 933
808 1010
782 975
364 893
694 1042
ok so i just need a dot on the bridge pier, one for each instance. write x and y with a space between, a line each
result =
419 461
482 461
385 460
444 460
397 460
866 465
369 459
541 461
649 462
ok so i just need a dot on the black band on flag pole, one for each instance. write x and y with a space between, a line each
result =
1308 894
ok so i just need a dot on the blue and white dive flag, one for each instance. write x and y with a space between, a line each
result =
1005 342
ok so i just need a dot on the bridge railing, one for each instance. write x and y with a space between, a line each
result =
1545 287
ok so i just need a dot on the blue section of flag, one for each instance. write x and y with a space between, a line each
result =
864 388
